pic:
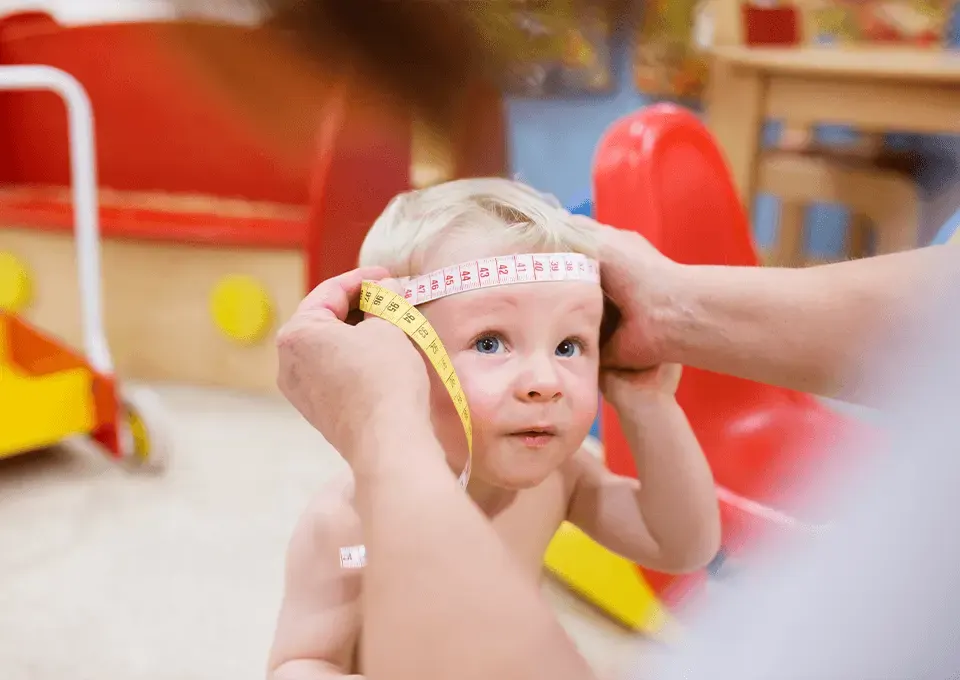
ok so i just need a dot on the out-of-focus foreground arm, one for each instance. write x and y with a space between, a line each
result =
442 596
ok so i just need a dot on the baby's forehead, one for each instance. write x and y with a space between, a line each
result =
470 274
523 304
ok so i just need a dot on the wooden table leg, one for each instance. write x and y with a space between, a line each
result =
734 108
858 232
790 250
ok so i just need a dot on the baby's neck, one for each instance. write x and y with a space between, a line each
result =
492 500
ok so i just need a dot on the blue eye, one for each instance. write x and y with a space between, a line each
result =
567 349
488 345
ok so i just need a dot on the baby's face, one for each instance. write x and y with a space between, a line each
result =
527 357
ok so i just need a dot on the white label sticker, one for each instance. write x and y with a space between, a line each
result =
353 557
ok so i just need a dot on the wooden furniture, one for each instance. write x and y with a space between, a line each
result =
803 85
872 89
883 204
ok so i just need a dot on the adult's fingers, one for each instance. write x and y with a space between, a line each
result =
392 285
336 296
621 256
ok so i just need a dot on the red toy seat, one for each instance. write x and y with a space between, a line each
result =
659 172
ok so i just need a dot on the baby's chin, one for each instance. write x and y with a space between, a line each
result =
511 481
505 469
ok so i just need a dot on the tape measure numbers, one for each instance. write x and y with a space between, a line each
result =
393 307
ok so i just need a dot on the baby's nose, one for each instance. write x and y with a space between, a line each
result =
539 383
543 394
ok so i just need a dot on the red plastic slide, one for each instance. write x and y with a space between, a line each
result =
659 172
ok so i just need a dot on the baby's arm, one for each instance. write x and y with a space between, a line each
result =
319 619
669 520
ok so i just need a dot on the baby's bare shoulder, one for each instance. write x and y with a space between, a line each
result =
320 614
330 519
587 461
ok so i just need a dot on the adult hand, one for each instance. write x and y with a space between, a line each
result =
354 383
637 279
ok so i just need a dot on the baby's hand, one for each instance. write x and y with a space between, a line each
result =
621 386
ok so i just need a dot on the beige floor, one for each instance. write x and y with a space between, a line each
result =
107 575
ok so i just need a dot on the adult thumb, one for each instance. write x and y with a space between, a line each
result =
391 285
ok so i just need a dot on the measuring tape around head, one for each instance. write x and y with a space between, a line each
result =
400 310
500 271
392 307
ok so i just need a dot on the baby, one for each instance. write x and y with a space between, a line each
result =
527 356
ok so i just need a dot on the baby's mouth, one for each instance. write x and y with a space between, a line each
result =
535 437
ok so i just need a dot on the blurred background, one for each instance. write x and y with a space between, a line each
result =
232 169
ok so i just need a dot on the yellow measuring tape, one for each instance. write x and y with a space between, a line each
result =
393 307
389 306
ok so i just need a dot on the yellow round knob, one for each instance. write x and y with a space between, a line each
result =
15 289
242 309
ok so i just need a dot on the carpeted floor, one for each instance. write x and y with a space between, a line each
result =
108 575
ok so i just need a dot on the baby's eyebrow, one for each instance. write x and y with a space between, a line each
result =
491 304
581 306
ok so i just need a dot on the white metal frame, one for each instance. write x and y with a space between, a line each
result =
83 175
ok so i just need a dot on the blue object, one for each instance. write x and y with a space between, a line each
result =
949 228
585 208
595 429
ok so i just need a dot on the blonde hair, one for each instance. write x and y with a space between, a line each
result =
416 222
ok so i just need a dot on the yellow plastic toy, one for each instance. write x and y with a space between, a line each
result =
48 392
605 579
242 309
15 284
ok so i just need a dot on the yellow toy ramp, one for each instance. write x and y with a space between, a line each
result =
605 579
40 410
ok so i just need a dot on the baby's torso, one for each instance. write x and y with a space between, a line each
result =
525 526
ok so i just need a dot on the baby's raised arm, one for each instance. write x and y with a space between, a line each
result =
319 621
667 519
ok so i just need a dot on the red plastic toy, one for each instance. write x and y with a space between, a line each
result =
659 172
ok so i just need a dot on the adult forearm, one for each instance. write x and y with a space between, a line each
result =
442 597
806 329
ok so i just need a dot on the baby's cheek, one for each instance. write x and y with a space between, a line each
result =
585 400
483 390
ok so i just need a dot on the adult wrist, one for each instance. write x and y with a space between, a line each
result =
394 441
671 308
